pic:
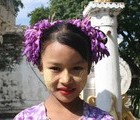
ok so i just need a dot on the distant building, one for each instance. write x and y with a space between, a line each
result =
7 16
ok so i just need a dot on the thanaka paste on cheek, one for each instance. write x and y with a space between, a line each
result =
48 80
82 79
83 75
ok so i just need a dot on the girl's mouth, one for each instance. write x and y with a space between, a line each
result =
66 91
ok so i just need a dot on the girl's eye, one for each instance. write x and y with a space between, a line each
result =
78 68
55 69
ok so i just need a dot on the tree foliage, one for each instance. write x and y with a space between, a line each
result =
67 9
129 23
59 9
17 5
38 14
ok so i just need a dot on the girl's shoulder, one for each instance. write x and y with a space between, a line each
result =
96 113
36 112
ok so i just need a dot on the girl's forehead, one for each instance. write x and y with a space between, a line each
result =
56 52
53 49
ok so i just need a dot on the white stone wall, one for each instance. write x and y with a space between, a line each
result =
20 88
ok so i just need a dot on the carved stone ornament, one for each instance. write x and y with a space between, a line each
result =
126 76
101 8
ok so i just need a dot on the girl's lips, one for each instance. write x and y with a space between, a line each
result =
66 91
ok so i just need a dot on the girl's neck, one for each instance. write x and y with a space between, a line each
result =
53 104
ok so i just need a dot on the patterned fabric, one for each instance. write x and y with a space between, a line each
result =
38 112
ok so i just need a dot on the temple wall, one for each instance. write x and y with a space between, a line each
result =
19 89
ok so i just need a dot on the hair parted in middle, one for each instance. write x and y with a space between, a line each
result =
67 34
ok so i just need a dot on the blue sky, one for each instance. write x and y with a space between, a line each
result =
29 5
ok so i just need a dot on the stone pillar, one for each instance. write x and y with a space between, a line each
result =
107 73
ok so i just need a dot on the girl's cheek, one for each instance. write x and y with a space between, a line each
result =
48 79
82 78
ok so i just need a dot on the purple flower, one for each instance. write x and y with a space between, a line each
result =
32 38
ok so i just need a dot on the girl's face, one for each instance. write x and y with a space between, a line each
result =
64 70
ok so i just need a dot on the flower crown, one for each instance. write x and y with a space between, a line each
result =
33 34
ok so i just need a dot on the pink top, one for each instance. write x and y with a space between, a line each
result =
38 112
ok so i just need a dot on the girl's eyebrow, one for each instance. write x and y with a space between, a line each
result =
54 63
80 62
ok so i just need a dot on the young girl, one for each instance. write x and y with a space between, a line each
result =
64 52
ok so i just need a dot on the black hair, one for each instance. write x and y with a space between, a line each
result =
70 35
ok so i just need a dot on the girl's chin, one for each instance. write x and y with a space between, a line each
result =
65 100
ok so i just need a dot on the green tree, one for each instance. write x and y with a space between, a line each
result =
67 9
59 9
17 5
129 23
38 14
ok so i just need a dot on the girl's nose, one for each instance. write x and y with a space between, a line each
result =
65 77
